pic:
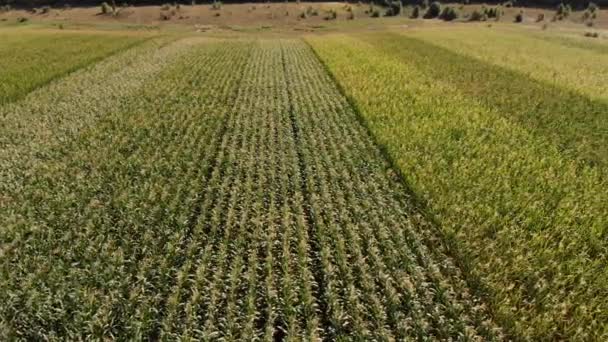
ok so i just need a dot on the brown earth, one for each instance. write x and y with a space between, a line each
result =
284 17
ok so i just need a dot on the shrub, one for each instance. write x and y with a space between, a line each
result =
589 14
448 13
592 34
519 17
540 17
563 11
492 12
331 15
478 16
45 9
586 15
508 4
394 8
105 8
593 8
165 7
217 5
433 11
303 15
370 10
415 12
311 11
22 19
165 16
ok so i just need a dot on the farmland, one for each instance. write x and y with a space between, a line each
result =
43 56
529 215
409 183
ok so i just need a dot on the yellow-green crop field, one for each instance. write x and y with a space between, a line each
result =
422 184
31 59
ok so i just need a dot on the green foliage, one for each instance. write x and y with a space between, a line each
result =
492 12
433 11
332 14
519 17
207 189
394 8
45 57
415 12
448 13
312 11
563 11
520 203
375 12
591 11
105 8
478 16
593 8
540 17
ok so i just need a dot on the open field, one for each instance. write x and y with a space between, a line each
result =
247 162
528 214
279 17
43 56
373 179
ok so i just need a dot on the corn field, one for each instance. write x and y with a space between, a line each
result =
214 190
387 186
512 168
34 58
